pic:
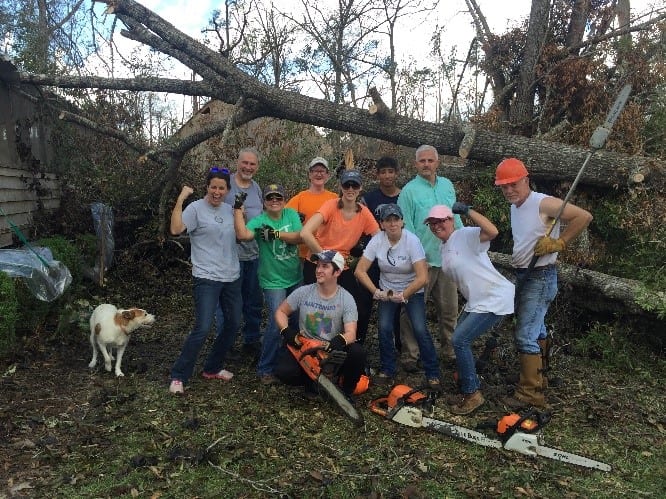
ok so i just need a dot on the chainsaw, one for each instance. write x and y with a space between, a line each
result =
322 367
516 432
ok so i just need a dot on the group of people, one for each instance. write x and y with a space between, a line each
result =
322 258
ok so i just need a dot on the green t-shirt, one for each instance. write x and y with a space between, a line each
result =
279 265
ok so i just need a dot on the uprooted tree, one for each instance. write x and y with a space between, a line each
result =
484 141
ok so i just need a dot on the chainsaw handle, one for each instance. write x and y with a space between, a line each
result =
375 406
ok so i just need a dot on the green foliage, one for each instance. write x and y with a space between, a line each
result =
8 314
608 343
64 251
652 301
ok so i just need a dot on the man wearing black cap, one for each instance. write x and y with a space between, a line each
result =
326 312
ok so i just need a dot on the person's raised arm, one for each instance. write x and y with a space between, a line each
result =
177 226
242 232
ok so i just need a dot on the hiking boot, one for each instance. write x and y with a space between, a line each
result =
382 379
224 375
470 403
435 384
456 399
268 379
176 387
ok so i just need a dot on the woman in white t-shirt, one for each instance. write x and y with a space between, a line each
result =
489 295
403 274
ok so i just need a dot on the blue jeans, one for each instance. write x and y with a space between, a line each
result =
415 310
250 297
207 296
470 326
272 339
534 293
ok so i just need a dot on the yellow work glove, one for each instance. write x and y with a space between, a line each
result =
547 245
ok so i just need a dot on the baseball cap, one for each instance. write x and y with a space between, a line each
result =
273 189
329 256
318 161
390 209
439 212
351 176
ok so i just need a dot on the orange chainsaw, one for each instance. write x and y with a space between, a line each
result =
520 433
322 367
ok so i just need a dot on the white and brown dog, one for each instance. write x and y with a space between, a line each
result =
111 327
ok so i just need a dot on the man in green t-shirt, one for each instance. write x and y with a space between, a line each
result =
277 231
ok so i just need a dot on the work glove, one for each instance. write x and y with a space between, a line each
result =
267 233
397 297
380 295
239 200
301 216
546 245
337 343
289 336
330 366
460 208
357 251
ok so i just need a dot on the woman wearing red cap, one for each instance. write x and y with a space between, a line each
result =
489 295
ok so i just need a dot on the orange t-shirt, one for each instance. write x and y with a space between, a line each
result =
339 234
308 203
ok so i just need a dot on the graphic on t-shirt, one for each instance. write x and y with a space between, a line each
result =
318 325
282 250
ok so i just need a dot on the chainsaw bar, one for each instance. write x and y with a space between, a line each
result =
339 398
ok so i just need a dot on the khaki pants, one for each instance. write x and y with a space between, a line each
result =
444 294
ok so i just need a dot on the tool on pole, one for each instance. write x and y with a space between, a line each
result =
520 433
321 367
597 141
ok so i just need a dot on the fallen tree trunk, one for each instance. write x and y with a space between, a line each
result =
613 290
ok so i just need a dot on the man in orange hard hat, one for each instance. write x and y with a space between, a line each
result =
532 214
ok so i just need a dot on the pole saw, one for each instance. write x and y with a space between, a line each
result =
516 432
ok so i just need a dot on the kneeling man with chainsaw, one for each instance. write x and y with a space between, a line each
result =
535 225
327 313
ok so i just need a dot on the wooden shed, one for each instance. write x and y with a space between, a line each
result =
27 183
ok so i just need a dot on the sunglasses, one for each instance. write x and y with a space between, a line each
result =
437 221
389 258
215 169
351 185
274 197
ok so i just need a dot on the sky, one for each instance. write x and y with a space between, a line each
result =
413 37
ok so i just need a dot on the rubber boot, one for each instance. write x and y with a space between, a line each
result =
529 391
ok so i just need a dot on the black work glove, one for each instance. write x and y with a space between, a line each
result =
337 343
460 208
239 200
267 233
357 250
289 336
301 216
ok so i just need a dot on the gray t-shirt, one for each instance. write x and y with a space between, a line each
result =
254 205
321 318
213 240
396 263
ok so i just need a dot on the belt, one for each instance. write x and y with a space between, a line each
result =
536 269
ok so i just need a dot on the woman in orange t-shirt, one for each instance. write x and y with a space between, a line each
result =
338 225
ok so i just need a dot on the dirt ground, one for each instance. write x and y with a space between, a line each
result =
65 430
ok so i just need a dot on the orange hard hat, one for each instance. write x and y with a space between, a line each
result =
510 170
399 392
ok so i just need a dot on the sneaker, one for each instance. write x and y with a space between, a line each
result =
435 384
268 379
470 403
224 375
176 387
382 379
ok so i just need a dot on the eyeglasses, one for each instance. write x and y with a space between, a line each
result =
389 258
350 185
318 171
274 197
437 221
215 169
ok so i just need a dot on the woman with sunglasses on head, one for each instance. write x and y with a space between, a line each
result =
338 225
277 232
403 274
488 293
209 223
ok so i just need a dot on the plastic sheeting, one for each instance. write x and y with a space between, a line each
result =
47 282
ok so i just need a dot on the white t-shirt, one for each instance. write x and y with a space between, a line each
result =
465 259
396 263
527 226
